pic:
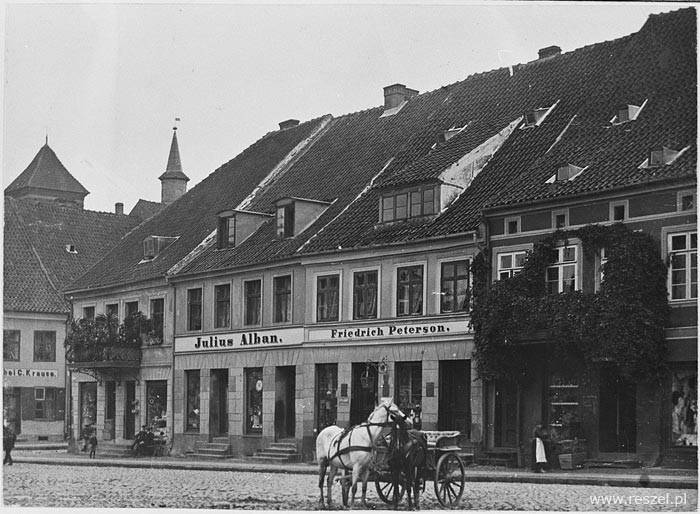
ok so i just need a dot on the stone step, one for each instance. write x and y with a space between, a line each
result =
209 456
283 446
279 451
220 440
212 446
620 463
211 451
263 457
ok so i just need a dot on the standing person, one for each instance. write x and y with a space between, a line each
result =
8 442
93 445
538 456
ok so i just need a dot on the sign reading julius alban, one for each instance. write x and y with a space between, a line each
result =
248 340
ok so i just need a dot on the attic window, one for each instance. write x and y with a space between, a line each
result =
626 113
445 136
154 245
226 232
285 220
422 201
661 156
71 249
535 117
565 173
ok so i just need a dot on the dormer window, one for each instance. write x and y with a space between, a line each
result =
234 226
154 245
627 112
661 156
535 117
413 203
565 173
71 249
285 221
226 233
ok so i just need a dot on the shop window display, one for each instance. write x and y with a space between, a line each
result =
157 392
684 409
254 400
327 395
409 376
88 403
564 399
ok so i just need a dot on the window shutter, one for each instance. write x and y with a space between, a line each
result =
28 403
60 396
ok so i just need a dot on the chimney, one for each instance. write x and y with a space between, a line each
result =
396 94
284 125
119 209
550 51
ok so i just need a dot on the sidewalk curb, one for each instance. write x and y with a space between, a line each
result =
643 480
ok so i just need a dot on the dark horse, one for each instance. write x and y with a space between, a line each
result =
407 461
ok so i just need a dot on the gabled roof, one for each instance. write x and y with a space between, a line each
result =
363 154
144 209
37 264
192 217
46 172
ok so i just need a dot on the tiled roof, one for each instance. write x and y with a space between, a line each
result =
37 265
192 217
144 209
362 154
46 172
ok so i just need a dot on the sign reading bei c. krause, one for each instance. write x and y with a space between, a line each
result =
30 373
244 340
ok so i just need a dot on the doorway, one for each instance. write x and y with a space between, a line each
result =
454 396
218 402
12 407
365 389
326 395
130 409
110 409
285 388
618 413
505 405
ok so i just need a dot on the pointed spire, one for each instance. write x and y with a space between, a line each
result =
173 181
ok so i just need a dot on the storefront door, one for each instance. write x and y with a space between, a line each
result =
454 396
285 387
365 392
505 415
110 409
130 410
218 402
326 395
618 418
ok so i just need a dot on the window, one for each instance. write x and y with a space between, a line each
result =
686 201
285 220
364 295
536 116
252 301
410 204
600 276
149 248
44 403
157 393
565 173
254 400
327 295
112 309
510 264
512 225
282 299
327 390
564 396
158 317
194 309
683 276
618 211
561 277
409 378
661 156
454 285
226 232
626 113
192 392
409 292
44 346
222 296
10 345
89 312
130 309
560 219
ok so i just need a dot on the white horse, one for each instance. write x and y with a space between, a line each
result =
353 448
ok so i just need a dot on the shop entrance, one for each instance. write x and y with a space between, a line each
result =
218 402
12 407
285 387
110 409
454 396
326 395
365 392
503 414
618 413
130 410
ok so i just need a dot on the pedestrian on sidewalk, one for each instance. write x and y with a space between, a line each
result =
8 443
93 445
538 456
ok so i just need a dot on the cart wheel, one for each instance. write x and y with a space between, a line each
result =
385 490
449 480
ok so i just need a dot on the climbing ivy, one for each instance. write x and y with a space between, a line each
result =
622 324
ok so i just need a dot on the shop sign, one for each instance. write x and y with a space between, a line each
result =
30 373
403 330
240 340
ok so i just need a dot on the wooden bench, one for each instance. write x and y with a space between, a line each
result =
445 440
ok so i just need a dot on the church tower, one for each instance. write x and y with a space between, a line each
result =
173 181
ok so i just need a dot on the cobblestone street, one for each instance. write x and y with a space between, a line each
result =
36 485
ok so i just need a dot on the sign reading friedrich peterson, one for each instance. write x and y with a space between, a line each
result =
249 340
404 330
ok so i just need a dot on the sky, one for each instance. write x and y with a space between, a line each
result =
105 81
